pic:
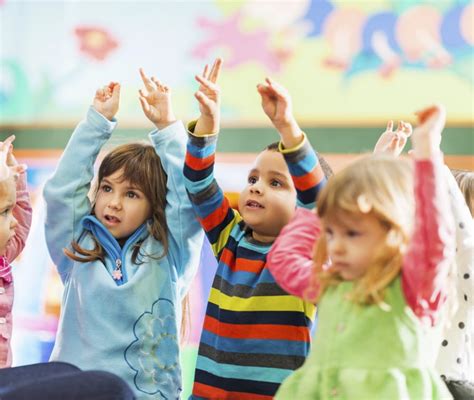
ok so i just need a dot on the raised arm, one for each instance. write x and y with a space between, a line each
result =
431 251
300 157
22 213
169 140
291 257
66 191
9 168
210 205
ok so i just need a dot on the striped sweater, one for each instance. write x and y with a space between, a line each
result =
254 334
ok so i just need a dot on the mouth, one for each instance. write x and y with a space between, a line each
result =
339 265
111 219
253 204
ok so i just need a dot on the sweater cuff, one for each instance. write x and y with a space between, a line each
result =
97 120
293 149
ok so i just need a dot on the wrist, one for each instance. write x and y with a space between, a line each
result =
207 125
162 123
290 133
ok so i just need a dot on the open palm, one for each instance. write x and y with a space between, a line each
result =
156 101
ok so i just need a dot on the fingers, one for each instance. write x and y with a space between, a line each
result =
205 73
115 91
160 86
9 140
389 126
144 103
407 129
203 99
275 88
207 83
18 169
215 71
149 84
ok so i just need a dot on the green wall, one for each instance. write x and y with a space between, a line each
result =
456 140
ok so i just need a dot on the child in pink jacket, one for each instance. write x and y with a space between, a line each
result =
15 221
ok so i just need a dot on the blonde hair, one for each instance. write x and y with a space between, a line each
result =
465 181
377 185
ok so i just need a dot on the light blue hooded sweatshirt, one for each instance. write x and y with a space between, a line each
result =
128 327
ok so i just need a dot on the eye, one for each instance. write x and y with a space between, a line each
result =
252 180
276 183
132 195
328 232
5 212
105 188
352 233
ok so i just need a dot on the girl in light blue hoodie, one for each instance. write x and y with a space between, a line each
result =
126 259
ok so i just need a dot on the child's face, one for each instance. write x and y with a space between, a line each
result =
352 242
7 220
120 206
268 201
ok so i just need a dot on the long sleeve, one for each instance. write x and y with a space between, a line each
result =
211 206
186 235
306 172
291 257
66 191
428 259
22 212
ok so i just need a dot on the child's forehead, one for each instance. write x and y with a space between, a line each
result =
270 160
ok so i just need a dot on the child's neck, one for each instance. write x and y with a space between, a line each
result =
263 238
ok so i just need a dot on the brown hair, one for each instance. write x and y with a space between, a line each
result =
141 167
465 181
385 184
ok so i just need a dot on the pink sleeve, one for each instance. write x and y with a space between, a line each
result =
291 257
428 259
22 212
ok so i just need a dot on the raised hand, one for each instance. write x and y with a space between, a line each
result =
8 164
426 138
156 101
391 142
277 105
208 96
106 100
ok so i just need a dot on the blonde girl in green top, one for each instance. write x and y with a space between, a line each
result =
385 244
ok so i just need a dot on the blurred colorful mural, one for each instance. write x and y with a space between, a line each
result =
356 60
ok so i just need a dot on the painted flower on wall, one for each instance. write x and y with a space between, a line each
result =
95 42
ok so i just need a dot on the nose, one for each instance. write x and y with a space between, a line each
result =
114 203
256 188
336 246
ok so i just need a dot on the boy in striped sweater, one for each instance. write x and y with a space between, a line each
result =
254 334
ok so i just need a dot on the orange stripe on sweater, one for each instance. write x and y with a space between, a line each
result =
308 180
198 164
215 217
210 392
256 331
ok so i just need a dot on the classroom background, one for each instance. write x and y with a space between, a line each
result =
349 65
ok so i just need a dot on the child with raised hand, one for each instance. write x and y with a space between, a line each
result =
455 360
127 258
254 333
15 222
377 278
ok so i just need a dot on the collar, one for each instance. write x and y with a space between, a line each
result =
111 245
